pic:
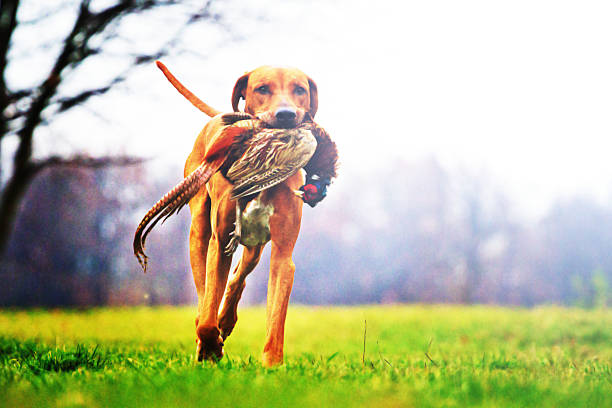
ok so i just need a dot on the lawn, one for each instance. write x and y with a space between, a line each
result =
422 356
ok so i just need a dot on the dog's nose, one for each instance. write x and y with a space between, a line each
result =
285 116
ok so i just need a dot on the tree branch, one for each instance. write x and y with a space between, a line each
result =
69 102
85 161
8 22
75 50
48 89
54 9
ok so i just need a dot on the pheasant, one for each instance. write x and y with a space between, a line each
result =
253 158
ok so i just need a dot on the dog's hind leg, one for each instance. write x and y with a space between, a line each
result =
199 235
229 311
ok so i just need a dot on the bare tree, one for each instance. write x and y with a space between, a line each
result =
22 111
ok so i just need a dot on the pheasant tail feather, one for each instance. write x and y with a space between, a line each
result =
169 204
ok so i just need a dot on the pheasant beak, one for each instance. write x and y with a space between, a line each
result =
299 193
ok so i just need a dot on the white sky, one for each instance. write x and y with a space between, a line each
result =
521 90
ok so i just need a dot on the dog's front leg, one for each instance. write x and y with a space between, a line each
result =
284 229
210 343
280 284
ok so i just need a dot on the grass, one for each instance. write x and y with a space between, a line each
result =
425 356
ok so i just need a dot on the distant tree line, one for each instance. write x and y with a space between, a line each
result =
71 245
424 235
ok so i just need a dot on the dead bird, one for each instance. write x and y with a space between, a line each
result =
253 158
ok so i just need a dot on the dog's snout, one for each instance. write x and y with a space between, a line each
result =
285 115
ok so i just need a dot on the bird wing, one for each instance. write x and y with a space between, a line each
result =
273 156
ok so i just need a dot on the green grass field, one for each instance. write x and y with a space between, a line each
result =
422 356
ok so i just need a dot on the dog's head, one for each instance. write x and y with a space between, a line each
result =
281 97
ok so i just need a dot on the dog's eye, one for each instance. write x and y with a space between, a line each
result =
264 89
299 90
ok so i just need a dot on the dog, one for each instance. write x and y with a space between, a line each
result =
282 98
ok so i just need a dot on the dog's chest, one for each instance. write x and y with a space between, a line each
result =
255 223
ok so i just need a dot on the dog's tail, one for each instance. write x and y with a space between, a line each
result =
195 101
169 204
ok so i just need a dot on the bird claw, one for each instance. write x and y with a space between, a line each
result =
233 243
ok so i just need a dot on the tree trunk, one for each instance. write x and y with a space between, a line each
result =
9 202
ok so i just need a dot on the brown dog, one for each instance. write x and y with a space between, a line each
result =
282 98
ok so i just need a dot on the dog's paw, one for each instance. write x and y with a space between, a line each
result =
209 345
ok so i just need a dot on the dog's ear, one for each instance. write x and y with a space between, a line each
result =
314 97
239 89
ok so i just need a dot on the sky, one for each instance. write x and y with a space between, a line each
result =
520 91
